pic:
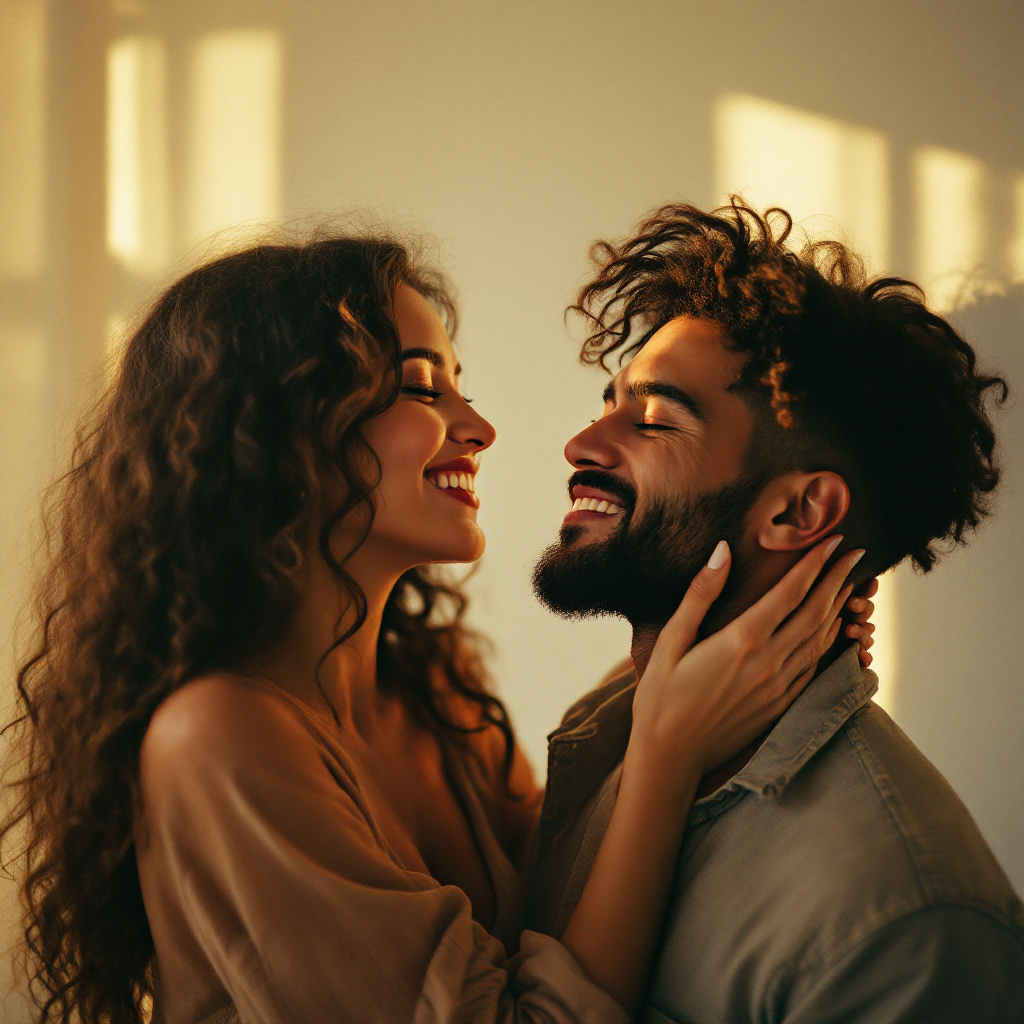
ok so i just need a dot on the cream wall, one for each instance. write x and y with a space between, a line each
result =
516 133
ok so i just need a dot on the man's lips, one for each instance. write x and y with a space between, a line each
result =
591 504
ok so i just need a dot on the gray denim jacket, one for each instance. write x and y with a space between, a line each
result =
837 877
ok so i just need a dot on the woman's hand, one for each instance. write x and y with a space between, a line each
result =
696 706
700 704
857 619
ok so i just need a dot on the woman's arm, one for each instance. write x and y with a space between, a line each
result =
263 868
695 707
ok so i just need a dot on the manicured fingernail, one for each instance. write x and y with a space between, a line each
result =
856 557
718 556
832 545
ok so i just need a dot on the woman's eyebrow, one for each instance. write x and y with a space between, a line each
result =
431 355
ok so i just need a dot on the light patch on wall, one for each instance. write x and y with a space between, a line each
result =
950 225
22 137
235 130
833 177
884 649
138 207
1015 251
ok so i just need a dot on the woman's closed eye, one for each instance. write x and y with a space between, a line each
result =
427 393
422 391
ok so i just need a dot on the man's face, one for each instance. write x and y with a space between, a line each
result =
667 456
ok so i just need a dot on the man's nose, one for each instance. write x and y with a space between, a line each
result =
592 447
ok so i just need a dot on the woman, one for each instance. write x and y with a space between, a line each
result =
263 777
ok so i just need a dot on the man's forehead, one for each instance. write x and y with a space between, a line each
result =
687 351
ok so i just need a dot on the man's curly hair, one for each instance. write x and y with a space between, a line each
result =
844 373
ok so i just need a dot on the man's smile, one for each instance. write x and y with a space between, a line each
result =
592 503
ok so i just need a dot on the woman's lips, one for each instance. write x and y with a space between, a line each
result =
464 496
457 479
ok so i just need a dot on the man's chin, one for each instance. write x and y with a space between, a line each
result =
571 576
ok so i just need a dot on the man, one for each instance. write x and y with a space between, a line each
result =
828 873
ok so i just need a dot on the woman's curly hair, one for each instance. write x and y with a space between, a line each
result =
843 373
169 546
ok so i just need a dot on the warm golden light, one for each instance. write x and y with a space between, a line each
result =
950 227
884 651
235 130
138 210
1015 252
833 177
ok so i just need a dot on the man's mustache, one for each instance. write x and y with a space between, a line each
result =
605 481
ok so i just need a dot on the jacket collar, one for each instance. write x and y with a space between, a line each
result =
814 718
593 736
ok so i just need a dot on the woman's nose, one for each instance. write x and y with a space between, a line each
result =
473 429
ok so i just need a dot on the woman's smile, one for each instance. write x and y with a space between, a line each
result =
457 478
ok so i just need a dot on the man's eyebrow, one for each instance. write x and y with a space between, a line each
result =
431 355
638 389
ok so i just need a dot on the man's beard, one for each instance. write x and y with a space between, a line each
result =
643 569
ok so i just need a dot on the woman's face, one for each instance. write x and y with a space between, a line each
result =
427 443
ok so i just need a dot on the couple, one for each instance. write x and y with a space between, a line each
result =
262 778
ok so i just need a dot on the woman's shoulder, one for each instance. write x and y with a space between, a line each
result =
222 714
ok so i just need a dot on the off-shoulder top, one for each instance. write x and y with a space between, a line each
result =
273 895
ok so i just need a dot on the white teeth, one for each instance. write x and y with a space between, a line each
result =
595 505
467 481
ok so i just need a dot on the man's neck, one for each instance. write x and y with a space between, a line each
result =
644 639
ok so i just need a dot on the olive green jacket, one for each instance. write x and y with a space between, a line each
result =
836 877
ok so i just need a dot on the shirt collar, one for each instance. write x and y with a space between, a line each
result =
595 730
814 718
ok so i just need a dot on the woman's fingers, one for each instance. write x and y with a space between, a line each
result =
859 630
807 663
820 607
806 654
859 609
764 617
680 631
796 674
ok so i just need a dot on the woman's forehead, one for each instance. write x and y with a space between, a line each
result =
421 331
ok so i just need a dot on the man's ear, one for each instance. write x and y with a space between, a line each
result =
799 509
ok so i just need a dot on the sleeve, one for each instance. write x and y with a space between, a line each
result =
273 862
943 965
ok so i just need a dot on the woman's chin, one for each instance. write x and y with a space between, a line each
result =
464 549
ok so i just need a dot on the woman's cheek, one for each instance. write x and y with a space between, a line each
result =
405 439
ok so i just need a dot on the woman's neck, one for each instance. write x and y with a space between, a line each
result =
345 682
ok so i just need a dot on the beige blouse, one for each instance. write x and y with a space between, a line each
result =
273 895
